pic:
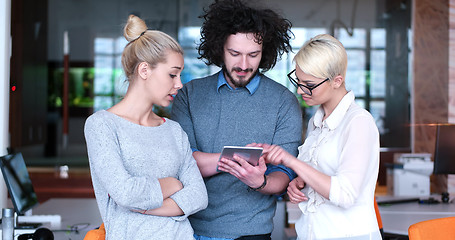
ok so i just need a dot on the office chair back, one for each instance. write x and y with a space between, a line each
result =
440 229
96 234
378 217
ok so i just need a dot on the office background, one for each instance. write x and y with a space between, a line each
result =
401 68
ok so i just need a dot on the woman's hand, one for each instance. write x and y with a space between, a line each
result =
276 155
169 186
168 209
294 191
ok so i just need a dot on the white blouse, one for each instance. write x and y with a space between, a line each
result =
345 146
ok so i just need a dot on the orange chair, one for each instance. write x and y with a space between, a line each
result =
96 234
440 229
378 217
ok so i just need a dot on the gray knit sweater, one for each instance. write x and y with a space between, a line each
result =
213 119
126 161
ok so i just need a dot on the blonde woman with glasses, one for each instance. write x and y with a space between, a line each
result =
338 164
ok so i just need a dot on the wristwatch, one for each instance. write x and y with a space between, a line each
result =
260 187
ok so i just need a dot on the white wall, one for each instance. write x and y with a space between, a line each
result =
5 55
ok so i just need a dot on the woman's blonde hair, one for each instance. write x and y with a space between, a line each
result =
323 56
145 45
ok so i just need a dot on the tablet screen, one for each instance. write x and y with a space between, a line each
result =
250 154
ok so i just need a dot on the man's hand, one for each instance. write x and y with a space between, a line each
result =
252 176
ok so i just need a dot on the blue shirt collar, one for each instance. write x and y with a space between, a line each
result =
252 86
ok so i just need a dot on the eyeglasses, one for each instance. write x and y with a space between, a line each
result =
306 89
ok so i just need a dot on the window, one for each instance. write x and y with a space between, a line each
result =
189 38
109 82
365 74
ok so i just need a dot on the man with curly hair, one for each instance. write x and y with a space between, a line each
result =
238 106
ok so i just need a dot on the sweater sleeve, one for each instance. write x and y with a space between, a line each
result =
180 113
193 197
288 133
106 165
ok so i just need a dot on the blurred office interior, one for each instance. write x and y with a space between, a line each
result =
399 53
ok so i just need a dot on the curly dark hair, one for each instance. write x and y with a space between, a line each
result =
226 17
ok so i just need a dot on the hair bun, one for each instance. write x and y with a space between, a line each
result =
134 28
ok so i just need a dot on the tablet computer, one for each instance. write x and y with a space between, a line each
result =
250 154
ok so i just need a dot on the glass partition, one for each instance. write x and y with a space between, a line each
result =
96 43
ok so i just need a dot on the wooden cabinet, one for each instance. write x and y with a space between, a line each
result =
53 183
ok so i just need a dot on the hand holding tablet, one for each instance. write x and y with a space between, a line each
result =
250 154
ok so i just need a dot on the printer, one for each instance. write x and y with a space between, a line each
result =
409 175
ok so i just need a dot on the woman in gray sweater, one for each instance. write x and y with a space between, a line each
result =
145 179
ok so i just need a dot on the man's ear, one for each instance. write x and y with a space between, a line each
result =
142 70
338 81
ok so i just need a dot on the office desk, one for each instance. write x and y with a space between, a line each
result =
397 218
78 216
82 213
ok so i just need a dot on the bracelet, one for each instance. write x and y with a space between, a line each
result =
260 187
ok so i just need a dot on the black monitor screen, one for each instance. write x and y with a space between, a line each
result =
18 182
444 153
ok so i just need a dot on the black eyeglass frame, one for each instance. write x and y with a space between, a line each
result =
307 90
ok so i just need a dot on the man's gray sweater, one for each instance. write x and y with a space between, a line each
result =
214 118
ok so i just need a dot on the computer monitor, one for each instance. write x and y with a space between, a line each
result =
18 182
444 153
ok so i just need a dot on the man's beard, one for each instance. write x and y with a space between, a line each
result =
238 83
